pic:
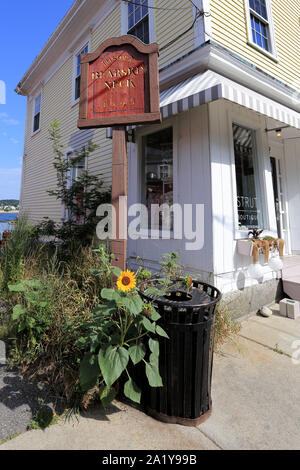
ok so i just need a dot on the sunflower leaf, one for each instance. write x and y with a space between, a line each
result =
107 294
132 391
161 332
89 371
154 347
137 353
112 363
153 375
117 271
148 325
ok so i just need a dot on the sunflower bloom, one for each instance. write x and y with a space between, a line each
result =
126 281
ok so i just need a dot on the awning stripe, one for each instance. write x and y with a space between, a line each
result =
260 103
211 86
192 101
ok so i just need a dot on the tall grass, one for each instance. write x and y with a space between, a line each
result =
68 293
225 327
13 254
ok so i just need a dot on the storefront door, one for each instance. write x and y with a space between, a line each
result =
280 201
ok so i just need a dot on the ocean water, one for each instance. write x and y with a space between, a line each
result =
4 222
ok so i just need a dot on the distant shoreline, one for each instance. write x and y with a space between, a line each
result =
9 212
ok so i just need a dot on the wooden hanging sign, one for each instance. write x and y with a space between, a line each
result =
119 84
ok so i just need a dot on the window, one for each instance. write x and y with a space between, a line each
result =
138 20
85 50
37 113
249 204
75 173
77 170
261 32
157 180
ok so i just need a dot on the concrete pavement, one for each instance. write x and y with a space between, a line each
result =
255 399
120 428
255 404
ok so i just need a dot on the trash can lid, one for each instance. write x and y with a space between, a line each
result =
177 296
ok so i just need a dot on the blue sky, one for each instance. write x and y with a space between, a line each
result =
24 29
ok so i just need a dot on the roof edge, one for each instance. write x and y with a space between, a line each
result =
50 42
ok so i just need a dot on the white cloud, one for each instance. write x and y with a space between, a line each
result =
6 119
9 172
13 140
10 182
10 122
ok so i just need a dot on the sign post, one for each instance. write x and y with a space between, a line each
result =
119 195
119 87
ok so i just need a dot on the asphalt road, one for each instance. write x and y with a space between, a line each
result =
19 401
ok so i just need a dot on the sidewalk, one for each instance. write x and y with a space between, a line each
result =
256 390
121 427
255 404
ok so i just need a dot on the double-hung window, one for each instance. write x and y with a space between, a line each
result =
37 114
85 50
261 33
138 20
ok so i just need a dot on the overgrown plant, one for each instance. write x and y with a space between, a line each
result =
41 338
117 340
225 327
170 267
80 196
108 271
12 255
43 418
32 315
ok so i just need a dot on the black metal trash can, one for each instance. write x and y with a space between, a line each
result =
186 358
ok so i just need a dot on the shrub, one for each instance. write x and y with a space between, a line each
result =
80 199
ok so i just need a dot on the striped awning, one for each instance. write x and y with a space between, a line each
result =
210 86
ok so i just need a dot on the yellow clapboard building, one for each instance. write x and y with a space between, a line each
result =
228 147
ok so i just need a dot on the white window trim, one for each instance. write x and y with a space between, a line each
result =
273 53
172 122
70 153
85 43
261 149
124 20
40 92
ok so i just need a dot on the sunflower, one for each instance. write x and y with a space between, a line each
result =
126 281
